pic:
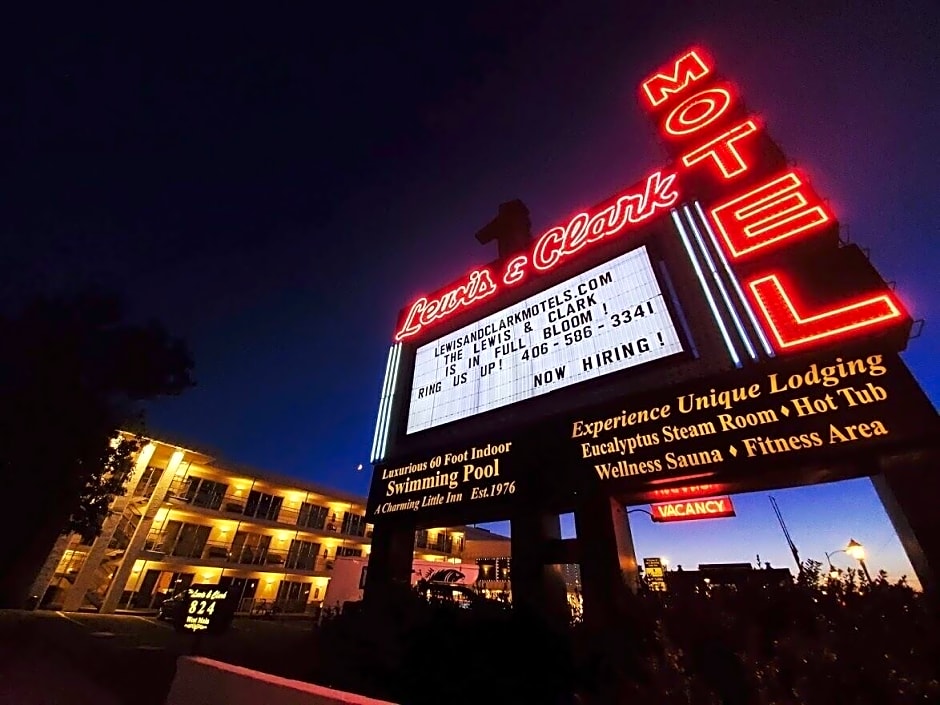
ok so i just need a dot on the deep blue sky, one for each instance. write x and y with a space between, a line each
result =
274 187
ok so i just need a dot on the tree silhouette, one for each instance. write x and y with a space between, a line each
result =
72 374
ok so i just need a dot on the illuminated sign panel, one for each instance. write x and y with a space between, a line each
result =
655 574
206 609
788 412
606 319
687 510
473 474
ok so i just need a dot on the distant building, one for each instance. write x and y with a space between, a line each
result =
493 556
188 518
725 574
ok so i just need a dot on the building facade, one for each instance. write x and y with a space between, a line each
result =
187 518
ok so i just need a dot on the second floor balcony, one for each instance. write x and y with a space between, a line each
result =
442 543
258 506
249 551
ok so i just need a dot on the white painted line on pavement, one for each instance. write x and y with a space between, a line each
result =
73 621
151 620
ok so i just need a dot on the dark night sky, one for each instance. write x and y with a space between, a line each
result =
274 187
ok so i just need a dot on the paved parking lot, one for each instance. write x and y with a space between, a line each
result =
52 657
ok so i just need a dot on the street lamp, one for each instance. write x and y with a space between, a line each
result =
833 572
665 561
857 551
644 511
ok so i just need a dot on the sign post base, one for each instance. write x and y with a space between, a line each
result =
908 487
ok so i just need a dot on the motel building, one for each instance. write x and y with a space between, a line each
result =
187 518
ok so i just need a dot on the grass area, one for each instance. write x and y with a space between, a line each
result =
106 659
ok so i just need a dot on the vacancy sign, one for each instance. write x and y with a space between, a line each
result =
686 510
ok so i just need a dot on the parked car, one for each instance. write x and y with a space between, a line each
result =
172 606
463 596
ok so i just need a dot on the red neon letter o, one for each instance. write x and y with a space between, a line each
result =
700 110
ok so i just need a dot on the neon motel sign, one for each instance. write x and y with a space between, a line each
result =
695 114
687 510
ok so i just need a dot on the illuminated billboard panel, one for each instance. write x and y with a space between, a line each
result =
606 319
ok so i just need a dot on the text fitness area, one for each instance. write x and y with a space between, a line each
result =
820 406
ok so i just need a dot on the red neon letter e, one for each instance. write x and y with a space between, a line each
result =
691 66
791 329
774 211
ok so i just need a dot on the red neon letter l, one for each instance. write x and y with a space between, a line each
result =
791 329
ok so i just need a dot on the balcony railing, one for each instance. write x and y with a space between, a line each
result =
236 505
264 607
223 553
441 543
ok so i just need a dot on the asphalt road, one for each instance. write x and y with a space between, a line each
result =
52 658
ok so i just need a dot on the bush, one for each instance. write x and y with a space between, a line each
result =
817 641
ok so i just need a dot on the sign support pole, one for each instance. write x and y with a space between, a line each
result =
537 589
908 486
390 562
608 570
608 561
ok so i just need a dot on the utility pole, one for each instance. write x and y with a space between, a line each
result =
786 533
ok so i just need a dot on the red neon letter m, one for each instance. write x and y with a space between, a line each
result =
691 66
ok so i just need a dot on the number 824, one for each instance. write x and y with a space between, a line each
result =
199 607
